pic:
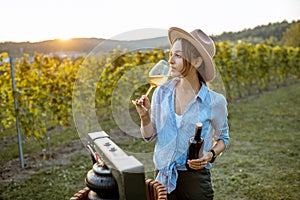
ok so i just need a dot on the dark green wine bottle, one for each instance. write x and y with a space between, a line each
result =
196 144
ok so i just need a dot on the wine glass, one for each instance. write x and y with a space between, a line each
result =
158 76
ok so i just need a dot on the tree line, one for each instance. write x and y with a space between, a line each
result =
279 33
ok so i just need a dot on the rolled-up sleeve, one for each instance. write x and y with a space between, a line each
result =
220 119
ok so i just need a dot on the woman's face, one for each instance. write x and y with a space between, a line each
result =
175 60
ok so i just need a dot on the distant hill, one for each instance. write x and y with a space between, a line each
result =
258 34
78 45
85 45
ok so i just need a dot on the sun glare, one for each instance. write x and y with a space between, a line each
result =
65 39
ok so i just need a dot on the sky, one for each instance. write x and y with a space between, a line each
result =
38 20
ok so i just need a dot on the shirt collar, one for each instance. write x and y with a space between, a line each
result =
202 92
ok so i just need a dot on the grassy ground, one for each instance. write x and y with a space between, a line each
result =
261 162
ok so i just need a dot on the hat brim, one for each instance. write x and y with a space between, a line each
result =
208 73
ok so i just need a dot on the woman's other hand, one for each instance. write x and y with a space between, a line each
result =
200 163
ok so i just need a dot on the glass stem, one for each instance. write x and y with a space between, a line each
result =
149 90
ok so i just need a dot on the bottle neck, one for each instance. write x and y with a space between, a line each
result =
198 134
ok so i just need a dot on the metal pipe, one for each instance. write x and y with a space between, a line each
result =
16 110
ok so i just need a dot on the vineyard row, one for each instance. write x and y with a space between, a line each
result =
47 85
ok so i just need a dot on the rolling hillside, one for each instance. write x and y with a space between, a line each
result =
86 45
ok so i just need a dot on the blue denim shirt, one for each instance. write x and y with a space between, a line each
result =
170 153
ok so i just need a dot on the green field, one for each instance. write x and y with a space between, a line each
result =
261 162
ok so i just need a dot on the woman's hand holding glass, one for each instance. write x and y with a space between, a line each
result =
142 106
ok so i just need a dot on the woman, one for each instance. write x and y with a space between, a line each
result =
175 109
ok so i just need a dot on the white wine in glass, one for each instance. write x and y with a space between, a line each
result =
158 76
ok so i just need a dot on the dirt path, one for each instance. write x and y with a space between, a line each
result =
34 162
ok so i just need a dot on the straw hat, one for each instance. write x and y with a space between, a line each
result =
203 43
